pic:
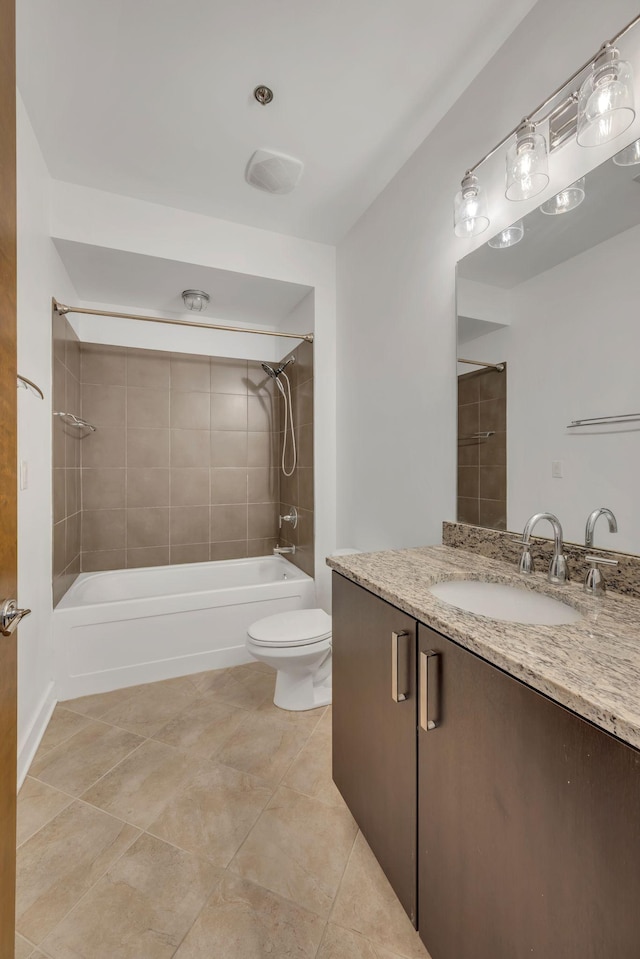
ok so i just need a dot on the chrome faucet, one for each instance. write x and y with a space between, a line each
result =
593 519
280 550
558 566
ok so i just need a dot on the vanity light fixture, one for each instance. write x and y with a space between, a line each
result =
470 207
629 156
568 199
509 237
195 300
605 101
527 163
601 109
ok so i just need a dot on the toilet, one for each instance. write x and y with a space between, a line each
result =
298 645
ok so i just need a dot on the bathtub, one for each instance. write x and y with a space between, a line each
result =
124 627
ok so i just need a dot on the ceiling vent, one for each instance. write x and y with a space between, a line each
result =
273 172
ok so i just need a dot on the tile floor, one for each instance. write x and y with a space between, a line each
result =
192 818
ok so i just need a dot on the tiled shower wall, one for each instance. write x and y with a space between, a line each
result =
297 490
482 462
183 465
66 457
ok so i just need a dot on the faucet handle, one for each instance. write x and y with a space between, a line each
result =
601 561
594 581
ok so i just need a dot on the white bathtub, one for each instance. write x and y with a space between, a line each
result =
124 627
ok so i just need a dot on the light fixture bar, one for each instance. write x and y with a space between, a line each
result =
552 96
63 310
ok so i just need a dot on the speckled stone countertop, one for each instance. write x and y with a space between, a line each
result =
592 667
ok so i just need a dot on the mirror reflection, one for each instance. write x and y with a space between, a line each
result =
549 406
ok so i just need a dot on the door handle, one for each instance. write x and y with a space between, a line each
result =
429 690
396 695
10 617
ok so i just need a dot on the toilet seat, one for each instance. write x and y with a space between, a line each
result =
299 627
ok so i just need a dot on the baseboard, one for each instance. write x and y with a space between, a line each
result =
29 742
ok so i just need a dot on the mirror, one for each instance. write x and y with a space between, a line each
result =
557 427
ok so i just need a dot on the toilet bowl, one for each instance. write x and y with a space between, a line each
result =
298 645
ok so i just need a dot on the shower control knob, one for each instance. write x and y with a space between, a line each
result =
10 616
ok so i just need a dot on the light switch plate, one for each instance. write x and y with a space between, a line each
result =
556 469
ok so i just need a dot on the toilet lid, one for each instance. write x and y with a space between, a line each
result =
300 627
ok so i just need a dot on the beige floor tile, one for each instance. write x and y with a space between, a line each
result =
339 943
80 761
24 949
152 706
367 904
203 727
138 788
298 848
243 921
141 909
62 726
264 747
212 812
96 705
247 690
37 805
311 773
61 862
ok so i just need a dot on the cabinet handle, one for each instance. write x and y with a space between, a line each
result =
429 691
396 696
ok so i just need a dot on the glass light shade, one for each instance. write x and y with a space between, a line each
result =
629 156
527 164
195 300
605 101
568 199
509 237
470 211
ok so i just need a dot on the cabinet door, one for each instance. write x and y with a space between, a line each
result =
528 822
374 734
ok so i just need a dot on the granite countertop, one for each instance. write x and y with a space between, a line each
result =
592 667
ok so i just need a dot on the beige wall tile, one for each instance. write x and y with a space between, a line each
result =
263 413
148 447
222 551
228 486
190 553
61 862
148 487
72 499
103 405
305 489
304 439
228 375
59 495
147 526
103 488
105 447
190 373
147 409
92 562
261 547
190 487
148 369
148 556
264 485
189 524
228 523
190 411
103 364
103 529
263 520
228 411
263 449
189 448
303 404
228 448
59 547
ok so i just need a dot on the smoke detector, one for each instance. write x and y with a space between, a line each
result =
273 172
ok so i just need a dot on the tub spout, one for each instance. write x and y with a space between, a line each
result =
279 550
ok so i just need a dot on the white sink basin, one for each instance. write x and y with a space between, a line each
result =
511 603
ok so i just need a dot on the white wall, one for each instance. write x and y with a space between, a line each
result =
94 217
571 351
40 273
396 278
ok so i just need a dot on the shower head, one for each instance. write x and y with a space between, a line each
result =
269 370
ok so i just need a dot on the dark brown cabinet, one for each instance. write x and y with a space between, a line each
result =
527 816
374 741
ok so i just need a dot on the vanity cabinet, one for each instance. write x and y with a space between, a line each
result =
527 816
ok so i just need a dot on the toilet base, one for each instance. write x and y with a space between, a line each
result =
299 692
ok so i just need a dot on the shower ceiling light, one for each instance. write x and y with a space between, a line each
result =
509 237
568 199
629 156
195 300
605 102
470 208
527 166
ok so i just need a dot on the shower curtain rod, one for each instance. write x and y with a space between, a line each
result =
62 309
488 366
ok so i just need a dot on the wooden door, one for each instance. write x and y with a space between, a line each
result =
374 736
7 472
528 822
